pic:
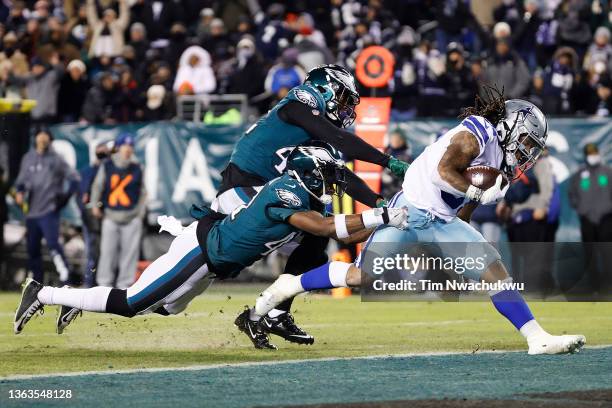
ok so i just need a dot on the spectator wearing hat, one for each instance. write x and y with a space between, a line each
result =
600 50
91 225
203 29
42 84
100 104
72 91
404 88
218 42
118 198
284 75
11 53
272 32
558 81
506 69
195 74
430 67
177 44
138 41
590 194
457 80
159 105
243 74
41 191
108 32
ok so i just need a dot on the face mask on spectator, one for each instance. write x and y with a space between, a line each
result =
593 159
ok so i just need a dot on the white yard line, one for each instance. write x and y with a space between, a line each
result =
262 363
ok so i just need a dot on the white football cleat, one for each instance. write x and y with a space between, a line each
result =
549 344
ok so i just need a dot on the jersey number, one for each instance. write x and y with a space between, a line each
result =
274 245
283 153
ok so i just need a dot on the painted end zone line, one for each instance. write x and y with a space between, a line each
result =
266 363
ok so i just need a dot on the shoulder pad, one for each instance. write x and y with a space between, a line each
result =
307 95
481 128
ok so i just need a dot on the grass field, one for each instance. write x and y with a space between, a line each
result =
345 328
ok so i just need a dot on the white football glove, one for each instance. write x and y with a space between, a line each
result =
491 195
398 217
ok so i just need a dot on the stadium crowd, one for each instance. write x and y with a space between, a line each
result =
113 61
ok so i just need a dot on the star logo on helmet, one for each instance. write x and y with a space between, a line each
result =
526 111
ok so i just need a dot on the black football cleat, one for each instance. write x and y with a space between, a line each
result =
65 316
29 304
285 327
253 330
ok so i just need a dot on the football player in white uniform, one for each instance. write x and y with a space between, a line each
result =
506 135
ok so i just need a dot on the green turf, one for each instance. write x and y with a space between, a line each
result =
343 328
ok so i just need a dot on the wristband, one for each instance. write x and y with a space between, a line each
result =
474 193
340 224
374 217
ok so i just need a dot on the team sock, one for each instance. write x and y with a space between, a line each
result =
90 300
513 307
330 275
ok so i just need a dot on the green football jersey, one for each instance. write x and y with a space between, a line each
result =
265 146
254 230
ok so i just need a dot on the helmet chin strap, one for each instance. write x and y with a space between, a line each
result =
324 199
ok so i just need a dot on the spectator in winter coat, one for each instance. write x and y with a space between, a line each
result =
160 104
590 194
72 91
195 75
101 101
505 69
600 50
40 187
245 72
107 38
558 80
457 80
42 84
284 75
404 88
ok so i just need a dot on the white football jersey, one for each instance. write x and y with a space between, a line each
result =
424 188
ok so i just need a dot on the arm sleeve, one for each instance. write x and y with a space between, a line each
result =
359 190
319 128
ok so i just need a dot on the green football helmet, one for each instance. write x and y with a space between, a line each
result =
338 88
318 167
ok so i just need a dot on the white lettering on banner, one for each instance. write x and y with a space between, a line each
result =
194 175
151 168
66 150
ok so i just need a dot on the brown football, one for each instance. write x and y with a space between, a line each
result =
483 176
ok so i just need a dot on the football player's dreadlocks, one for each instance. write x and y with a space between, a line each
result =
491 106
